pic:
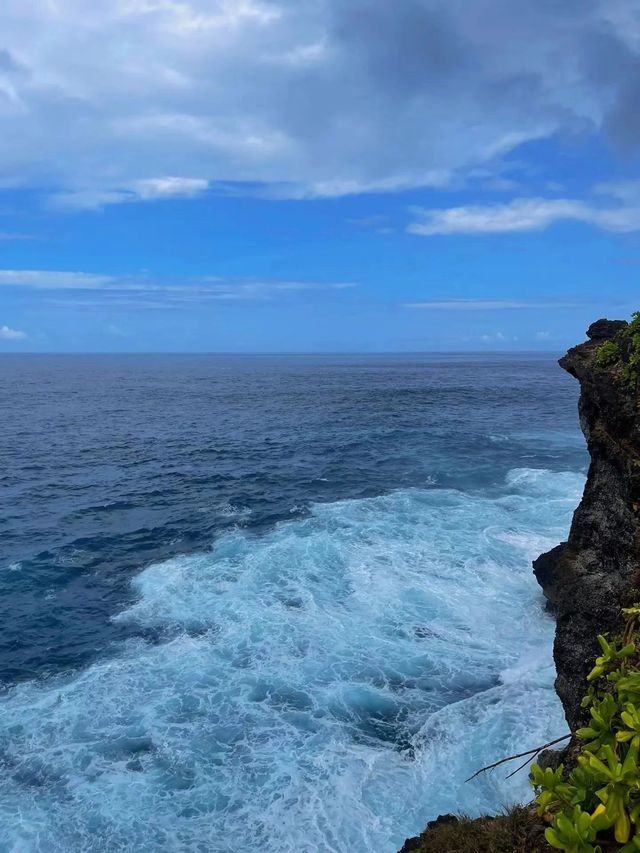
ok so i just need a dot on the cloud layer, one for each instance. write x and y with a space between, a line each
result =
95 290
8 334
525 214
146 99
485 305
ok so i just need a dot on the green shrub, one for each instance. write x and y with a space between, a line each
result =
596 806
623 353
607 354
630 341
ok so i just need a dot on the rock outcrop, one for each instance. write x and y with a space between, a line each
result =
588 578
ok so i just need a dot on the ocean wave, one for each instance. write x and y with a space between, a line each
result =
327 686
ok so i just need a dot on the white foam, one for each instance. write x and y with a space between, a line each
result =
328 687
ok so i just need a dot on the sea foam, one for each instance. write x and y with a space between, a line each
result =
326 686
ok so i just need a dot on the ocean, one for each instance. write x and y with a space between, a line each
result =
275 603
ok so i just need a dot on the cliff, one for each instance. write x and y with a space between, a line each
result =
588 578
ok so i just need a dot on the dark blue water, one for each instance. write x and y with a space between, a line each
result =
288 479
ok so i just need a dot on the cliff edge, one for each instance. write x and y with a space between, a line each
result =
590 577
586 579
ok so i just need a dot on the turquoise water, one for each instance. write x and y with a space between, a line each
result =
322 678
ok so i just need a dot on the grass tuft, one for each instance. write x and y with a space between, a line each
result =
518 830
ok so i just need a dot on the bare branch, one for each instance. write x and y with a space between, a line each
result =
532 752
522 766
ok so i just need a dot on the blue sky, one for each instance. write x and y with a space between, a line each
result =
241 177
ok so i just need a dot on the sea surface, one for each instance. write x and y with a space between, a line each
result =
274 603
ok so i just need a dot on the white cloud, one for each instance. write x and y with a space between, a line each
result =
149 189
483 305
90 199
7 334
523 214
160 291
54 279
153 188
100 101
498 337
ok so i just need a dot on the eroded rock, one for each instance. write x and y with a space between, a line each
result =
591 576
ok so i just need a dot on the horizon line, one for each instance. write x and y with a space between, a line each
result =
285 352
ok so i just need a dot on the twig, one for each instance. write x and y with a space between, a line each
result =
532 752
522 766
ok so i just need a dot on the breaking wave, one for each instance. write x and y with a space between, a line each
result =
326 686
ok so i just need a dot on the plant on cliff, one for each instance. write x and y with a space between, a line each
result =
607 354
623 353
596 807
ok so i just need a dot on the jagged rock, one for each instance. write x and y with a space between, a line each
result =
412 844
591 576
552 758
603 330
518 830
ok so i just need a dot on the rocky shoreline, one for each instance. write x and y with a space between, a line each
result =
586 579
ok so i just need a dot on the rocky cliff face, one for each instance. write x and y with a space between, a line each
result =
588 578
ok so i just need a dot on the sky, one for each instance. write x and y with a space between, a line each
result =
317 175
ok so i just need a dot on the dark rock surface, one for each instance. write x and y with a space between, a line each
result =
518 830
591 576
412 844
603 330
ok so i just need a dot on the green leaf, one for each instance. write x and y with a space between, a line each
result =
552 837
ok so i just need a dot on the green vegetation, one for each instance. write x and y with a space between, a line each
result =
593 808
623 353
596 807
607 354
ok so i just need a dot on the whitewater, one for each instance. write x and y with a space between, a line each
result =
275 603
325 686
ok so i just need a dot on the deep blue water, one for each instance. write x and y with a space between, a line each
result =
265 602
